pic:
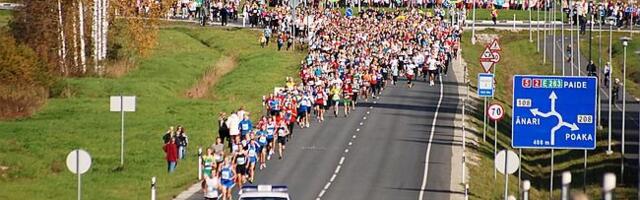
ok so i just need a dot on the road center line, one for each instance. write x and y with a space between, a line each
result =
433 129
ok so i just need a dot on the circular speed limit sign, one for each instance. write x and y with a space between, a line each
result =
495 111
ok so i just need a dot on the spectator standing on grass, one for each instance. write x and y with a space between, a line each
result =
267 35
607 74
168 135
616 89
182 140
171 154
245 125
234 123
223 129
494 15
224 15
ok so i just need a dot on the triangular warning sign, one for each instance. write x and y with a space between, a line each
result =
486 65
486 54
495 46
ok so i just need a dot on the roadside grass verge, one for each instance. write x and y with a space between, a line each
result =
5 17
34 149
600 56
520 57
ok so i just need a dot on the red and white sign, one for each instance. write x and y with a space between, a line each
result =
495 46
486 60
496 57
495 111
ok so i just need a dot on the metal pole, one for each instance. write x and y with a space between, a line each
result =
199 163
514 22
578 45
464 121
608 184
551 177
121 131
624 104
495 145
79 174
526 185
638 100
553 28
562 47
153 188
484 124
566 181
609 151
506 175
584 172
599 74
544 43
473 25
519 170
571 42
466 192
538 29
530 24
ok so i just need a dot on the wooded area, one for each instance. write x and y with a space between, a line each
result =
58 39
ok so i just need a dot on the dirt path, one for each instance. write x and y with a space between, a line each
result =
223 66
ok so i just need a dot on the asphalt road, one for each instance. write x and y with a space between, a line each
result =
384 158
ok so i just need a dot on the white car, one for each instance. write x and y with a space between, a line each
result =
264 192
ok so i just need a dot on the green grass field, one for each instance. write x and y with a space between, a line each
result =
600 56
5 16
520 57
34 150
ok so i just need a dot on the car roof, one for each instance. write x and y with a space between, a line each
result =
264 194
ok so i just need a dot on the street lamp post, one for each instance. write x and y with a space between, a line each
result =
638 100
625 43
473 24
611 23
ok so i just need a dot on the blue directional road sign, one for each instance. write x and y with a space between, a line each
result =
554 112
485 85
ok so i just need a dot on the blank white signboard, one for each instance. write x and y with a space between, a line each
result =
128 103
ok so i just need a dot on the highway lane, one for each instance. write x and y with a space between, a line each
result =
384 158
388 159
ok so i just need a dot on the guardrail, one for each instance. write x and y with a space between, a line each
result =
10 6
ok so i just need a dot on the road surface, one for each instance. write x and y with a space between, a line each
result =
384 158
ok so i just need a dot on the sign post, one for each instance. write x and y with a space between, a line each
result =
79 162
122 104
507 162
496 112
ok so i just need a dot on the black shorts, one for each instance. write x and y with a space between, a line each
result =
241 169
274 112
282 140
302 114
269 140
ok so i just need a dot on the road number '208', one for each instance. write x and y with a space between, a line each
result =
585 119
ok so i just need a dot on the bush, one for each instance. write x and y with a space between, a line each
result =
24 80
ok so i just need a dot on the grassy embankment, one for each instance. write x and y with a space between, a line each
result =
520 57
33 150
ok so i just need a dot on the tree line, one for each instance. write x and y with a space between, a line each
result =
48 41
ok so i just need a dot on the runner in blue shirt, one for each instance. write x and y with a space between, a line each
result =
253 148
262 141
245 125
227 175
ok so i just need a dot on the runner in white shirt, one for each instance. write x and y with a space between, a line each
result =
211 186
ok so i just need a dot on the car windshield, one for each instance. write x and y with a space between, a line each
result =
263 198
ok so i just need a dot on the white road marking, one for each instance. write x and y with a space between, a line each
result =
364 117
357 130
346 150
341 160
350 143
433 129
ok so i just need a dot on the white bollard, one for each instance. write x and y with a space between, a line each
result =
608 184
199 163
526 185
153 188
566 181
466 192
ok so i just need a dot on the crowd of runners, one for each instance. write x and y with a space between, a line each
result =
351 59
